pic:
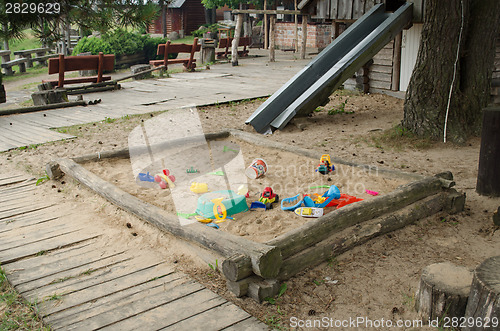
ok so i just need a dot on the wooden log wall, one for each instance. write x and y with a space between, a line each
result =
380 71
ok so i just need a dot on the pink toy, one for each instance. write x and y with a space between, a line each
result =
371 192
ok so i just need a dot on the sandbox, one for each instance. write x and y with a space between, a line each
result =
258 249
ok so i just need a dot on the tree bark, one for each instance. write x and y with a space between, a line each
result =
429 89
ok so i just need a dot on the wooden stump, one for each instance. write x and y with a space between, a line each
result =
496 217
49 97
444 289
484 297
488 176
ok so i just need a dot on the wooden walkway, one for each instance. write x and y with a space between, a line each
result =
82 279
223 83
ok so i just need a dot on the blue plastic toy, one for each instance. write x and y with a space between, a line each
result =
332 193
146 177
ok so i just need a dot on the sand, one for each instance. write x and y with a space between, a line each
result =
377 280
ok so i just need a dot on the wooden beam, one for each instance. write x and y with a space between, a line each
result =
396 62
265 27
236 40
317 230
267 11
265 260
304 38
272 38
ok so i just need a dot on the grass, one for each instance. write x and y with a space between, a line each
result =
185 40
29 42
15 312
398 138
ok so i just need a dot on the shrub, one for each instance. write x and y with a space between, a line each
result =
214 28
120 42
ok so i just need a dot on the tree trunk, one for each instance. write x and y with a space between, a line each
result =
6 40
429 89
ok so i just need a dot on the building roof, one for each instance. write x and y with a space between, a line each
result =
176 4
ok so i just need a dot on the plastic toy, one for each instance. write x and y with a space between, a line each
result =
199 187
217 173
243 190
192 170
318 201
227 149
256 169
146 177
344 200
213 225
268 197
165 180
186 215
371 192
232 202
203 219
219 209
325 165
309 212
258 205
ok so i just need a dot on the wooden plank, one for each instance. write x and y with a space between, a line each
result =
22 252
17 269
380 77
73 279
12 179
173 291
167 315
268 11
382 61
74 262
117 279
21 211
43 133
23 222
249 324
110 302
381 69
380 85
345 9
22 186
358 8
15 241
87 62
334 6
384 53
26 201
214 319
25 137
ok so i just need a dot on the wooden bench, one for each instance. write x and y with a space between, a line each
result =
64 64
169 48
40 56
7 66
226 44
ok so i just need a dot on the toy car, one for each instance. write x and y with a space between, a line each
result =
268 197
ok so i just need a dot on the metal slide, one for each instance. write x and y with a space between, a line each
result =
311 87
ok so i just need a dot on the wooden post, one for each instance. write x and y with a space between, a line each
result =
296 41
236 40
272 30
488 176
396 62
100 67
304 37
61 70
444 289
264 26
484 297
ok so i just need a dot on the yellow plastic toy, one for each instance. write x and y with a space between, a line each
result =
219 209
325 157
203 219
199 187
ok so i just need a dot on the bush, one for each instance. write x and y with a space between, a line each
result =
120 42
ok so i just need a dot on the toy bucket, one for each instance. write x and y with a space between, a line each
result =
257 168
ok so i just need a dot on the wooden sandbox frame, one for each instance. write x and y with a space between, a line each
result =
256 269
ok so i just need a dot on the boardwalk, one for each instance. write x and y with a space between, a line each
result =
82 279
252 79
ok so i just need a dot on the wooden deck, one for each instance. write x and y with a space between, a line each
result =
223 83
82 279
